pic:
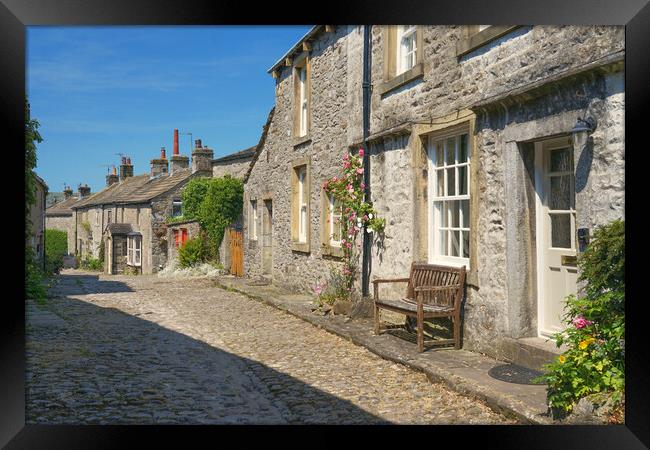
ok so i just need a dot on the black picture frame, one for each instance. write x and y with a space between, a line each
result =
15 15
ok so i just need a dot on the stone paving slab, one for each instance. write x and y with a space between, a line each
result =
464 371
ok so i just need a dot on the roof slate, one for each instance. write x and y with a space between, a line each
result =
153 187
62 208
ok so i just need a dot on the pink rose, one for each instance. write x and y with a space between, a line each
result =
346 157
581 322
363 186
334 179
361 152
360 170
346 164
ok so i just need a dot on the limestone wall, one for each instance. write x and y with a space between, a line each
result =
63 223
334 122
236 168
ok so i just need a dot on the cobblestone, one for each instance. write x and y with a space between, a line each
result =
146 350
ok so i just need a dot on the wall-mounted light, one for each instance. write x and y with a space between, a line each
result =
581 131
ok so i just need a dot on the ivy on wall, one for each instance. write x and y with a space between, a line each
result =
215 203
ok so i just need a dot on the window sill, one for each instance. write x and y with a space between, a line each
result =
302 247
330 250
482 37
301 140
403 78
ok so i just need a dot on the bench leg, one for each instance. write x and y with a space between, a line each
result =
376 320
457 331
420 331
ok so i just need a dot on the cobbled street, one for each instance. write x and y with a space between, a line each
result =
144 349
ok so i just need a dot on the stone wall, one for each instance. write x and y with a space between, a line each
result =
63 223
161 210
334 120
236 168
193 230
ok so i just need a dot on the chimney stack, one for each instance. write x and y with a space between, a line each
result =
178 161
112 178
84 191
67 192
202 159
126 168
159 166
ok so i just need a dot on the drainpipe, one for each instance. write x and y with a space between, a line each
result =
367 238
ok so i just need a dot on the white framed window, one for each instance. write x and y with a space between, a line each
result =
406 47
335 221
134 250
303 197
302 77
252 222
449 194
108 216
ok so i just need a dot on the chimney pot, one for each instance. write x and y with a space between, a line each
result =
197 143
162 153
128 161
176 142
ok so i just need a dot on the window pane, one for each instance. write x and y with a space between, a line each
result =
560 230
440 192
453 214
454 236
440 210
440 156
462 180
462 154
442 246
465 244
451 181
560 192
561 160
451 151
464 206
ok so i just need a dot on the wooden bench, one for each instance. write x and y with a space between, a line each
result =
432 291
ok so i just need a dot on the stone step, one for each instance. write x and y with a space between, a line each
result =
532 352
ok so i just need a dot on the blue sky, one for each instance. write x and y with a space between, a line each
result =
98 91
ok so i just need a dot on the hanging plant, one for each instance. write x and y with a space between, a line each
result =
356 213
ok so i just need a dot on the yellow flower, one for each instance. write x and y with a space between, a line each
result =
562 358
584 344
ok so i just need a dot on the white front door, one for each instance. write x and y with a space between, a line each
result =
556 231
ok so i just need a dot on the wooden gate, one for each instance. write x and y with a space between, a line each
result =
236 253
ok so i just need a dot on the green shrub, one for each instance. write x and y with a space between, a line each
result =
56 246
192 252
595 335
34 278
91 263
333 289
222 205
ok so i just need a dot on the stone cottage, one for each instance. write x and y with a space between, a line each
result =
495 147
129 216
235 164
60 216
36 237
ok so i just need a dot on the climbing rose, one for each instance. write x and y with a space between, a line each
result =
581 322
361 152
360 170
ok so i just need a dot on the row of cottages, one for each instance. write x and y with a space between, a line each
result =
128 217
60 216
477 158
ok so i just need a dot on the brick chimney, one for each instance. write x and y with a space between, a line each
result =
84 191
126 168
202 159
159 166
67 192
178 161
112 178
